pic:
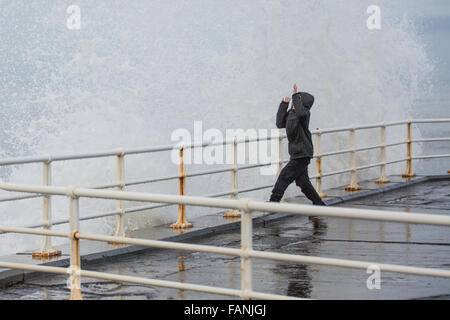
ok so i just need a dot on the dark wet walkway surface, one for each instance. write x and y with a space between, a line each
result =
393 243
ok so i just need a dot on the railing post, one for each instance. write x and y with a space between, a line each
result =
74 269
383 178
234 185
409 173
120 218
47 249
353 184
246 247
280 155
181 222
319 166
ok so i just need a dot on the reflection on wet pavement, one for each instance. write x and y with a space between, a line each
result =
382 242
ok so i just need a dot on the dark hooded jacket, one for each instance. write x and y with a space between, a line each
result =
296 123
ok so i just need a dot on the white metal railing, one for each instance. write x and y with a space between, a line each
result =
246 252
120 154
238 207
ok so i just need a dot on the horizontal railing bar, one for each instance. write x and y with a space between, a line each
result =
161 244
432 156
161 283
396 143
148 207
396 161
117 152
202 173
41 232
360 127
147 150
145 181
159 179
134 209
265 255
242 204
16 198
200 144
397 123
116 212
104 215
431 140
333 153
100 154
23 160
378 146
252 166
332 173
431 120
30 267
255 188
368 166
121 278
362 214
349 264
221 194
268 296
126 210
106 186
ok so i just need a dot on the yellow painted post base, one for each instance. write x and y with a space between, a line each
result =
233 214
75 294
408 175
179 225
323 195
47 254
383 180
448 171
354 187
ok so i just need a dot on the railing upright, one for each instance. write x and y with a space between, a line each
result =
353 184
120 218
383 179
75 268
409 173
234 184
319 165
181 221
246 247
47 249
280 155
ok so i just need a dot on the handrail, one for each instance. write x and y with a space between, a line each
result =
116 152
246 252
243 207
121 183
241 204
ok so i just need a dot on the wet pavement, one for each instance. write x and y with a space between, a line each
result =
382 242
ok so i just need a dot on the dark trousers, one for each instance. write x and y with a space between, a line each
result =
296 170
